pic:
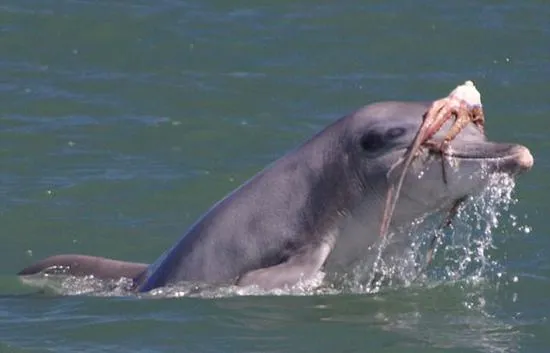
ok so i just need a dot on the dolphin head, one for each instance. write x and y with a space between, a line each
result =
382 132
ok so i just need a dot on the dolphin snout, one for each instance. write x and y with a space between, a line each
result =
523 158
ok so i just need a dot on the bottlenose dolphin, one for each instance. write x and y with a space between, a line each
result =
319 207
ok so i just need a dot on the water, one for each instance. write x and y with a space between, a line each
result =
121 122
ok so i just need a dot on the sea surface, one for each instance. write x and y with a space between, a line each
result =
122 121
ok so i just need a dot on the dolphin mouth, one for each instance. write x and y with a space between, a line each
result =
510 158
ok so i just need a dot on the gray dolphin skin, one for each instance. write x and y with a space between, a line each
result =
319 207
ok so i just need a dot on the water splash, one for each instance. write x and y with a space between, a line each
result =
462 254
464 251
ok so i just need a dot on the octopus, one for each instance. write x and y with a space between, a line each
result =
464 105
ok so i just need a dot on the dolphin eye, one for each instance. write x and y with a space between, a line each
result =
372 141
394 132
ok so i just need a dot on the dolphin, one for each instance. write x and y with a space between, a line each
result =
319 207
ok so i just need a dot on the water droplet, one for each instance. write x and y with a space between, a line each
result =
481 302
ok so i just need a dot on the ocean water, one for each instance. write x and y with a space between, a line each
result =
121 122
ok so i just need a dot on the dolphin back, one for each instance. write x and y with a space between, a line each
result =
84 265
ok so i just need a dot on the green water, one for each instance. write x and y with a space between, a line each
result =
121 122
